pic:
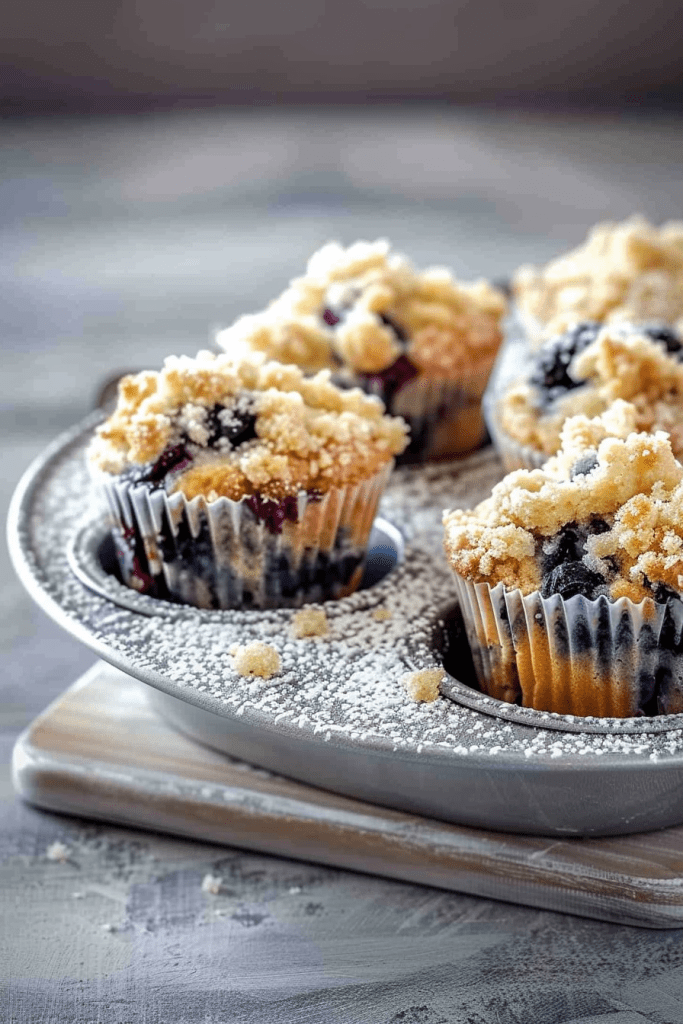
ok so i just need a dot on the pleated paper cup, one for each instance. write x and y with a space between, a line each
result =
444 416
608 659
252 553
511 452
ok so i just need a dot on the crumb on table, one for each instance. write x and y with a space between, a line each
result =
58 851
256 659
309 622
422 685
212 884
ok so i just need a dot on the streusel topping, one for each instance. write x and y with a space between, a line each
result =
217 427
570 378
363 307
610 503
626 271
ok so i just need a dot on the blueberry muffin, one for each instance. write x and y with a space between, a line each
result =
240 484
422 342
627 271
570 576
583 370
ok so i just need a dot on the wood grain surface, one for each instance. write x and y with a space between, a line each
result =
101 750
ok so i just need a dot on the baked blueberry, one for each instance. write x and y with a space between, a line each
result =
551 374
571 578
667 337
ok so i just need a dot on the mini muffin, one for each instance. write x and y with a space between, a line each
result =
570 577
422 342
583 370
627 271
242 484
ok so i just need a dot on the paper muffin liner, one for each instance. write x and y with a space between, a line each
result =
241 554
513 454
444 416
609 659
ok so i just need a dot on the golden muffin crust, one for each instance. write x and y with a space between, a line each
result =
620 363
608 475
625 271
385 308
306 433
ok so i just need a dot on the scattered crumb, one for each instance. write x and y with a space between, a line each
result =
309 622
381 614
423 685
256 659
212 884
58 851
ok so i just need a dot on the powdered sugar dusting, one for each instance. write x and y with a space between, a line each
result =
345 685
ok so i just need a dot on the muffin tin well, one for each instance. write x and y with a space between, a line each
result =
337 715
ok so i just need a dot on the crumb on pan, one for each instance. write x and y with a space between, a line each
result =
422 685
256 659
381 614
309 622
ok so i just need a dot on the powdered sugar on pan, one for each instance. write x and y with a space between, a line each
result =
347 683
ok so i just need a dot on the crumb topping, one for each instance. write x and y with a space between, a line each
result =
220 428
381 614
309 622
256 659
612 499
622 363
212 884
422 685
625 271
363 307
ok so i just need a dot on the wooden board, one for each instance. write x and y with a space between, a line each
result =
100 751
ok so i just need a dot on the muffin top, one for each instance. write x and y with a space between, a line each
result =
604 516
364 308
585 369
626 271
221 428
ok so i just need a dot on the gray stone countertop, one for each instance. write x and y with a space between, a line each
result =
124 240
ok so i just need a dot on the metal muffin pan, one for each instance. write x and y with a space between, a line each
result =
337 716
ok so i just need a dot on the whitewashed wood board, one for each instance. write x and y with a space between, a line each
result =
101 751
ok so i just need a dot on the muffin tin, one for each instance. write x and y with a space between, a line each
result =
337 716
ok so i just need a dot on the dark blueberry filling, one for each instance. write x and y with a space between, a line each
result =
275 513
584 465
330 317
154 475
387 383
667 337
551 374
563 569
396 328
570 579
239 427
319 576
132 558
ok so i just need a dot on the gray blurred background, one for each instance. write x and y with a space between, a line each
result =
124 53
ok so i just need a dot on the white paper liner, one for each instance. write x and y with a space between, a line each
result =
609 659
512 453
219 554
444 415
